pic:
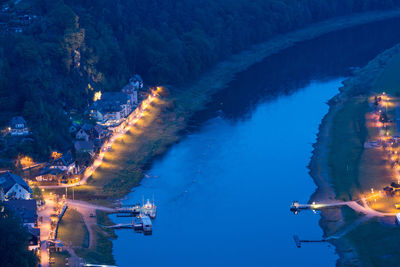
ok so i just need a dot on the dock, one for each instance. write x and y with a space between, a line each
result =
133 209
142 216
298 242
296 207
120 226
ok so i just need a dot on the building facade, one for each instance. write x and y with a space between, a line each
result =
18 126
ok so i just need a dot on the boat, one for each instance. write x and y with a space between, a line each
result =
149 209
147 225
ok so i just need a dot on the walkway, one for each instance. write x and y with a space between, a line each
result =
355 205
85 209
131 120
45 213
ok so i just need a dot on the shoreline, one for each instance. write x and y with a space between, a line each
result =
361 83
189 100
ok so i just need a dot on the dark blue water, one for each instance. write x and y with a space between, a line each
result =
223 193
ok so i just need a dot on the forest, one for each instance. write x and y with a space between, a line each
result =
50 70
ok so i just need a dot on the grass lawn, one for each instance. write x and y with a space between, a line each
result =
356 170
131 155
102 254
348 135
60 258
73 230
389 81
375 171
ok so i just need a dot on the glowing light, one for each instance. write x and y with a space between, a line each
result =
97 96
56 155
132 120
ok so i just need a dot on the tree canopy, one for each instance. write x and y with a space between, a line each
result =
46 69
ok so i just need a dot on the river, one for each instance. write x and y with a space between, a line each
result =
223 192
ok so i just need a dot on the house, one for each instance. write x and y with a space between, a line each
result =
100 132
26 209
18 126
34 238
14 187
65 163
131 89
84 146
111 109
90 132
82 135
50 175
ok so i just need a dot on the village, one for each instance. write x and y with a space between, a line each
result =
30 194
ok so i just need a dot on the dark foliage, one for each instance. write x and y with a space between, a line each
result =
13 242
45 71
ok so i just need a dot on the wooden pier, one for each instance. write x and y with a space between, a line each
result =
120 226
298 241
135 209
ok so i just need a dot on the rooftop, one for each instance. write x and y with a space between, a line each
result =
17 120
8 180
26 209
83 145
111 102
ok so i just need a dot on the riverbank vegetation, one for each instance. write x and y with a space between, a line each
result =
102 252
372 242
72 230
45 69
347 144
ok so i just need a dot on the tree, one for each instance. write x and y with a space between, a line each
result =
37 193
14 242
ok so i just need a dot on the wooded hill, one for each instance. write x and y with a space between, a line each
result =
45 69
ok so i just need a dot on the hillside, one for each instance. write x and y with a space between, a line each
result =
55 54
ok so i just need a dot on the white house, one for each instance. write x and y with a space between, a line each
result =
14 187
18 126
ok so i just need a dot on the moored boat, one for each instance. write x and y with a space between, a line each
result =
149 209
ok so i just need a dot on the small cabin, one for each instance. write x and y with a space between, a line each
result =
18 126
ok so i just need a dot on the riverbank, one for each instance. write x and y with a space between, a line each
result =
125 165
336 160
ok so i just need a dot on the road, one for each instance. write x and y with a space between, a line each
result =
132 119
45 227
85 209
83 204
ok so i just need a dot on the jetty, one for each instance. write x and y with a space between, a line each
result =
140 223
298 241
142 216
